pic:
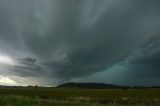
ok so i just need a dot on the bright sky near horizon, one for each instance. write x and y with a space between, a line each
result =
6 81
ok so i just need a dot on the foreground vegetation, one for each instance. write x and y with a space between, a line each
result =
78 97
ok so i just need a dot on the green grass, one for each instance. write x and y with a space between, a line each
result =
78 97
25 101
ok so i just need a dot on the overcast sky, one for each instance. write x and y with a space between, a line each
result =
48 42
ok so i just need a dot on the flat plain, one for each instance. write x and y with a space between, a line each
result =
41 96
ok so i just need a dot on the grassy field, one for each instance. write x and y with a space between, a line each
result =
78 97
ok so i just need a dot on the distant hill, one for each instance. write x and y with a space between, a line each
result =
88 85
84 86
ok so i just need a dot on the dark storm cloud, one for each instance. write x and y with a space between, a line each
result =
27 60
77 38
146 59
26 67
111 40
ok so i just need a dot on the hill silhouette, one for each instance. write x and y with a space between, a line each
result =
88 85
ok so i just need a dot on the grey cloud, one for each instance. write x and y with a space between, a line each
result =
27 60
26 71
148 50
26 67
77 38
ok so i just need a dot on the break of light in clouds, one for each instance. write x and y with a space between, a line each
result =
47 42
6 60
7 81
